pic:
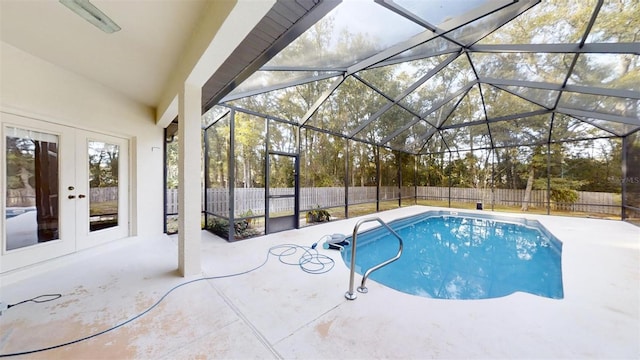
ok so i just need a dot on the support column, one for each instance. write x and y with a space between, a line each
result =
625 159
347 176
548 178
189 187
378 180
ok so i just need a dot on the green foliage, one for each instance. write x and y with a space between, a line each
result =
322 160
249 150
242 228
595 164
431 170
246 214
217 139
172 164
561 190
318 215
103 164
219 227
20 163
362 167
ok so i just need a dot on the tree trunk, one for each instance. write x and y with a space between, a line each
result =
352 171
246 172
362 168
513 175
527 192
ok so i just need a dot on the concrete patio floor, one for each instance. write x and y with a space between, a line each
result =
279 311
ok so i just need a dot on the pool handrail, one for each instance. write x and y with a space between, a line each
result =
350 295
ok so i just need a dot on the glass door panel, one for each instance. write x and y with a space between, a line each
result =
38 217
32 188
102 188
103 185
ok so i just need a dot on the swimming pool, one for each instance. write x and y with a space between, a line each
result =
451 255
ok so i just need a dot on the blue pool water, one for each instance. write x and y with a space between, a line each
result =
463 256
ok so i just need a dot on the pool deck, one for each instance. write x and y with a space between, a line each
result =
280 311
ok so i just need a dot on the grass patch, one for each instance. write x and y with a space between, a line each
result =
104 207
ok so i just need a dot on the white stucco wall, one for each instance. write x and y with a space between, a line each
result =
38 89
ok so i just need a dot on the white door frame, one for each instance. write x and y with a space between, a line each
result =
85 237
73 172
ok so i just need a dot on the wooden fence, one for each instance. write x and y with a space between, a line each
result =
252 200
589 202
20 198
103 194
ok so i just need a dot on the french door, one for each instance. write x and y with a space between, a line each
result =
65 189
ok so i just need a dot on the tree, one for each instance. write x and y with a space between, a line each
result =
103 164
20 163
249 150
172 163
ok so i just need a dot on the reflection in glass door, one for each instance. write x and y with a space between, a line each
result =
31 206
282 192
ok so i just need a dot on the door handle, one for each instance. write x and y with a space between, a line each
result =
72 196
81 196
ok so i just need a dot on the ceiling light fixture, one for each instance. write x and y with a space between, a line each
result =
92 14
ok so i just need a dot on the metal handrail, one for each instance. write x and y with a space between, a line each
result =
363 289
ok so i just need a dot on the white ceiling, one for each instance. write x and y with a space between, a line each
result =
135 61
